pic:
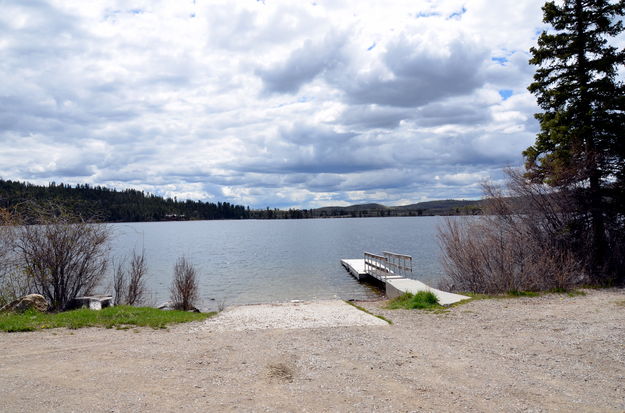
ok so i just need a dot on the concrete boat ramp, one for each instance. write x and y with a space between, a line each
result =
393 270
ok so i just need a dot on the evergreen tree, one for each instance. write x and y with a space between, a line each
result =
581 147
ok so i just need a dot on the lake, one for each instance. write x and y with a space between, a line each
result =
262 261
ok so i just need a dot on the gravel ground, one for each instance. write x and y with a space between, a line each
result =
551 353
315 314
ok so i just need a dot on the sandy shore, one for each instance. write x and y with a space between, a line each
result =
552 353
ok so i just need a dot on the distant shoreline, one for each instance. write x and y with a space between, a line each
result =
130 205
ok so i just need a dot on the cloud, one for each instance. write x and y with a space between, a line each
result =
302 65
415 73
268 104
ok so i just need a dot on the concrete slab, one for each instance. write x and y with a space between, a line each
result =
356 267
396 287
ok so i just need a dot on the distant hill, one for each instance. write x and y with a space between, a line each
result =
111 205
444 207
352 208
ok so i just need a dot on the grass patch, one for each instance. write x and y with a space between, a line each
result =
364 310
424 300
570 293
515 293
120 317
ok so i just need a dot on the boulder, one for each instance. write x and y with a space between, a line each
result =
169 305
31 301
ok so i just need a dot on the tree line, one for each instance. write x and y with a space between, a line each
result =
131 205
111 205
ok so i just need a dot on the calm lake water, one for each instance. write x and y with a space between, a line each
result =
246 262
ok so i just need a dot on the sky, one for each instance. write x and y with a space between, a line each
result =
277 103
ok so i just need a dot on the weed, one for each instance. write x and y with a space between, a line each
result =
421 300
281 371
515 293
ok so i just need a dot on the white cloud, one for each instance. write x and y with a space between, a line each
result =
273 103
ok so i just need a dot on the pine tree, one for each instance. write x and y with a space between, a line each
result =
581 144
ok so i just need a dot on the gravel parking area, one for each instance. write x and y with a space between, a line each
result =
547 354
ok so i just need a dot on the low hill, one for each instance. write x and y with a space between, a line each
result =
444 207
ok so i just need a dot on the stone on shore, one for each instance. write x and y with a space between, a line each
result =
169 306
31 301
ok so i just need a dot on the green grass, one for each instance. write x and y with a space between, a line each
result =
369 312
515 293
120 317
424 300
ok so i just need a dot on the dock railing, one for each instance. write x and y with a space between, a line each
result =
399 264
376 265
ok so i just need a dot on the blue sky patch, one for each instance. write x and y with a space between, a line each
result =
458 14
501 60
424 14
506 93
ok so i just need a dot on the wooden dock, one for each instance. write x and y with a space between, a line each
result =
394 271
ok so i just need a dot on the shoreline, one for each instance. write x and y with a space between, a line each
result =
547 353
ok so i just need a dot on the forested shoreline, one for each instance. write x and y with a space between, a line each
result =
131 205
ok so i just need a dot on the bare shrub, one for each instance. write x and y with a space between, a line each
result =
13 283
120 283
136 278
62 255
519 244
184 288
129 285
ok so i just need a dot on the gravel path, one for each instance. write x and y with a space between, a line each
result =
315 314
551 353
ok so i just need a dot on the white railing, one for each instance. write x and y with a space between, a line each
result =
389 264
399 264
376 265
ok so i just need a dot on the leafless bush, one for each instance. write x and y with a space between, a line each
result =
184 288
120 283
13 284
519 244
61 255
129 286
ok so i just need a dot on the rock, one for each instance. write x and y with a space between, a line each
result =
92 302
168 305
32 301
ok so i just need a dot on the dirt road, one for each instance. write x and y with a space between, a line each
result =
552 353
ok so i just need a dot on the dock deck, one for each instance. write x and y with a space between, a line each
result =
356 268
391 269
